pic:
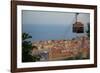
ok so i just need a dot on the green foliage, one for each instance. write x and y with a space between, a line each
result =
25 36
36 58
88 31
26 48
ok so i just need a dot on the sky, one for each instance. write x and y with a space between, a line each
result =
44 25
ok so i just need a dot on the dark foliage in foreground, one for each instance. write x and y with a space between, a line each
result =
88 31
26 48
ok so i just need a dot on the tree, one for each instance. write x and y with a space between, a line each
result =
88 31
26 48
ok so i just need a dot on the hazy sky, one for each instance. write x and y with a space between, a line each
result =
43 25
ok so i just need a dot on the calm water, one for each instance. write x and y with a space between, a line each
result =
49 32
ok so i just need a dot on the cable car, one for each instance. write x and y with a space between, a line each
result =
78 27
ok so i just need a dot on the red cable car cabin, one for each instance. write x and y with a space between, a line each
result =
78 27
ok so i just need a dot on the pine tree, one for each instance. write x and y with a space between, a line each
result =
26 48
